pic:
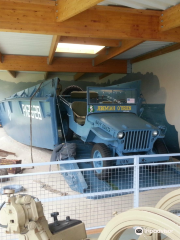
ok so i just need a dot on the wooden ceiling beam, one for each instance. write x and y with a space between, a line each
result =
170 18
53 47
12 73
97 22
1 57
157 53
46 75
34 63
104 75
40 2
90 41
112 52
66 9
77 76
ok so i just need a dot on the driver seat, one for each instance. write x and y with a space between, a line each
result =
80 112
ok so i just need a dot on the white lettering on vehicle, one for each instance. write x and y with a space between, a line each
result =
35 111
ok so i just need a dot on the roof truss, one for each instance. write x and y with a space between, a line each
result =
157 53
77 76
112 52
53 47
66 9
97 22
12 73
82 22
32 63
170 18
90 41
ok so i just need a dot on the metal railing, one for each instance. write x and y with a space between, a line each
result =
126 187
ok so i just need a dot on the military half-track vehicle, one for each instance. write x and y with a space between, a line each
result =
109 118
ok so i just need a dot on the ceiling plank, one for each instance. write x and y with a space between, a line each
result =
77 76
112 52
90 41
98 22
170 18
12 73
104 75
53 47
67 8
157 53
34 63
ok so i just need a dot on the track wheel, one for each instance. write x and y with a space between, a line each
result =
100 150
67 132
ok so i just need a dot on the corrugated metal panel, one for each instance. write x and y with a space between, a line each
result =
142 4
142 48
25 44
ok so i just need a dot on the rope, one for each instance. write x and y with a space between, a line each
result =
31 120
49 188
62 127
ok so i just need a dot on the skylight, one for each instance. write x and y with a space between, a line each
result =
78 48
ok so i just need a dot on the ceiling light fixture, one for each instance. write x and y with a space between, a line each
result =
78 48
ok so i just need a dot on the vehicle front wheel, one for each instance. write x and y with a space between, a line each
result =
159 148
100 150
66 131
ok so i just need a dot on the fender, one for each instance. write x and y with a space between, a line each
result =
101 134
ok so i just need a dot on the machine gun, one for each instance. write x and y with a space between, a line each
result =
23 215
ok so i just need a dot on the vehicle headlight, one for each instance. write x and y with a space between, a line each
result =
155 133
120 135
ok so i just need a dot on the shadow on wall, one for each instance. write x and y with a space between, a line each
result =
150 86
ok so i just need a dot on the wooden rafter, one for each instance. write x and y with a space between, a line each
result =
112 52
1 57
53 47
45 75
12 73
67 8
77 76
40 2
97 22
157 53
104 75
34 63
170 18
90 41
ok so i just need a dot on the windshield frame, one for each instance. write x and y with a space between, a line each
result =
110 88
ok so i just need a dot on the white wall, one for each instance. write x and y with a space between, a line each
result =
166 70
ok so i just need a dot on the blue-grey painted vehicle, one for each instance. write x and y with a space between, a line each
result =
109 118
15 115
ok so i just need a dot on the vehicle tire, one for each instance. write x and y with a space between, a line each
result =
67 132
100 150
70 89
159 148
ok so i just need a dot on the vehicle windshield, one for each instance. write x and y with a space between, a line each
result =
112 96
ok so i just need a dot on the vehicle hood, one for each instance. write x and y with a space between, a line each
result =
120 121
